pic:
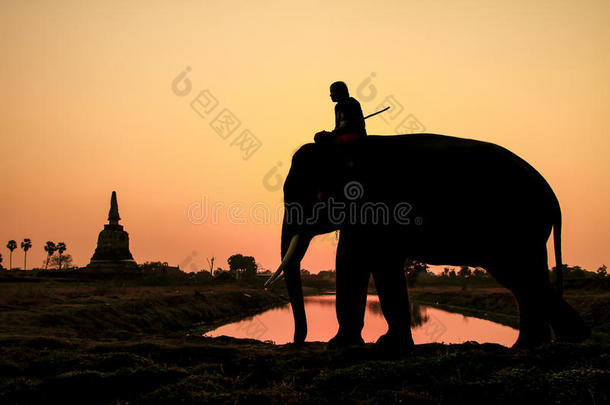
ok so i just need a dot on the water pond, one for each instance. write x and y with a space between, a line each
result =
428 324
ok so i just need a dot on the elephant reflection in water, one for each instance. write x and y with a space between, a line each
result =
419 315
466 202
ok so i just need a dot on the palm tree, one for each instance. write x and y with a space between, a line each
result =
50 249
61 247
25 245
11 245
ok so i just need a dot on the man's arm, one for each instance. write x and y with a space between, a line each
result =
326 136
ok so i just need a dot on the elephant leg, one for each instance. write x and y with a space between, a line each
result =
352 273
391 285
527 277
534 326
567 323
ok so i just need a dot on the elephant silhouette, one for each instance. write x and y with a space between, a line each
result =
438 199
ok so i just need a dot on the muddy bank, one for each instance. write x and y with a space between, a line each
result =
224 370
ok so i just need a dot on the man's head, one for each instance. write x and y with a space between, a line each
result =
338 91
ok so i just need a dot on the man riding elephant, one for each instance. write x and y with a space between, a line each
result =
349 120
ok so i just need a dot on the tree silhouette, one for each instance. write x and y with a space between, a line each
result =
61 247
243 264
464 272
50 248
25 245
11 245
0 260
65 261
414 268
478 272
211 264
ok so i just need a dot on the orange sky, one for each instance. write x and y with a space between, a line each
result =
87 107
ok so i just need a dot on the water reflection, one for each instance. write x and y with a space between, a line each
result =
428 324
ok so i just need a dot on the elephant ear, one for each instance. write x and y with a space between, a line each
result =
328 168
351 168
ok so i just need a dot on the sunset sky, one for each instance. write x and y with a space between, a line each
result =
89 106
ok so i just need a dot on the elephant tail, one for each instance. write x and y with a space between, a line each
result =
557 246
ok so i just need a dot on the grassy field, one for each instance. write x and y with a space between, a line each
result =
105 342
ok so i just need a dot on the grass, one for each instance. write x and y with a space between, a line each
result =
104 311
108 342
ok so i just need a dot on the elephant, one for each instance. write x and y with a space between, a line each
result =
433 198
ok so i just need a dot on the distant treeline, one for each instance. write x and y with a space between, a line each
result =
418 273
244 270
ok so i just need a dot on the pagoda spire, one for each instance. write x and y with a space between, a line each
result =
113 214
112 252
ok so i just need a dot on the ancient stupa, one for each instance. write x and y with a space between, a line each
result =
112 252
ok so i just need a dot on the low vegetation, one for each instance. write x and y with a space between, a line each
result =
130 340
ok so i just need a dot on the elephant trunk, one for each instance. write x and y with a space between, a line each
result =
296 244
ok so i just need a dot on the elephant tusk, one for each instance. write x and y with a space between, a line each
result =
291 249
278 279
